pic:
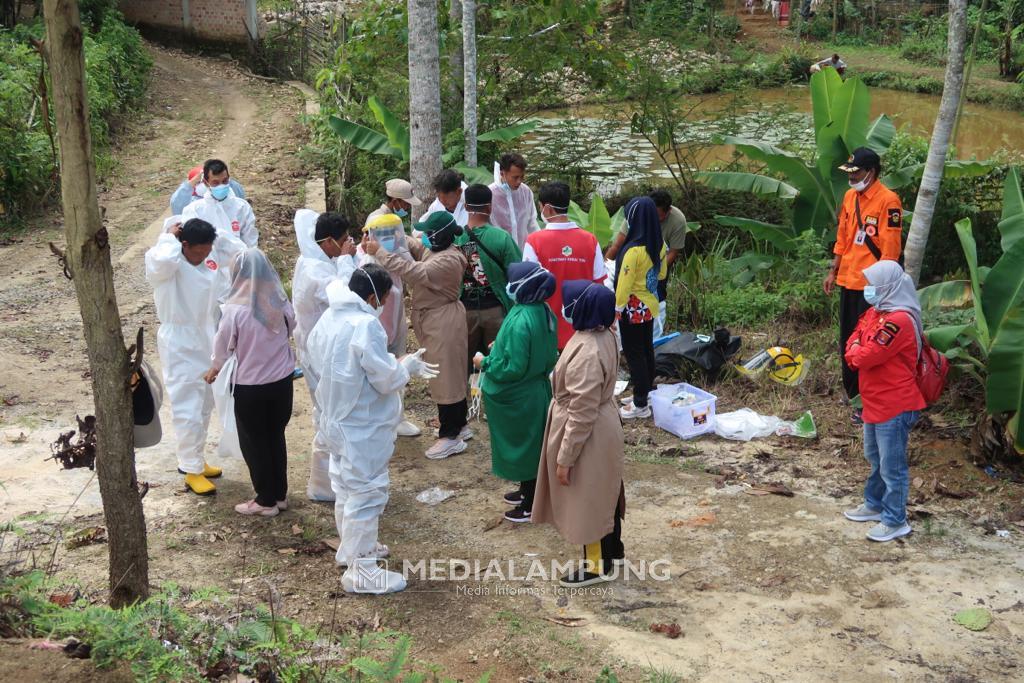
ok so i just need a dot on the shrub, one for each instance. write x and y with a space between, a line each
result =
117 75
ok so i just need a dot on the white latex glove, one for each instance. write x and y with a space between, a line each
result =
478 358
418 367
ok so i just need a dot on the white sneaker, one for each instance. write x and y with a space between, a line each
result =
406 428
631 412
629 399
443 448
882 533
466 434
863 514
379 552
367 577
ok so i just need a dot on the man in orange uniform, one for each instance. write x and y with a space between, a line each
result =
870 230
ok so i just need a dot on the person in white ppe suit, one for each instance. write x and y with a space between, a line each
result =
449 186
183 270
193 188
325 255
220 207
512 207
359 391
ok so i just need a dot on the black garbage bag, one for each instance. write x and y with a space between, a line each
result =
693 357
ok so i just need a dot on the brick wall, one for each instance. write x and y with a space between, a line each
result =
215 20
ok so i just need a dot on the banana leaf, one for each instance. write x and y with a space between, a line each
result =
1003 293
950 294
881 133
397 132
619 220
363 138
851 108
781 237
578 216
748 182
746 267
600 223
948 337
824 86
966 235
1011 225
1004 390
954 168
475 174
508 133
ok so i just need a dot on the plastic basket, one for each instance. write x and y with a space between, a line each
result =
686 421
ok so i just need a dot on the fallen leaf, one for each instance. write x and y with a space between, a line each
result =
705 519
918 482
974 619
771 487
287 551
86 536
571 622
296 530
333 542
672 630
64 599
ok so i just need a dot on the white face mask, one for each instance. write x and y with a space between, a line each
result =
377 310
548 219
862 185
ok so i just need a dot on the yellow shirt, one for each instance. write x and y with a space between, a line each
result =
636 290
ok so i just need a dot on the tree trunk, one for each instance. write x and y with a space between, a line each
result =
424 99
469 121
952 90
835 20
88 259
456 56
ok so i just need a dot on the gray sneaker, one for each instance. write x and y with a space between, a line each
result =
863 514
882 533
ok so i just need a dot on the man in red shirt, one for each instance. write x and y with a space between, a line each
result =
564 248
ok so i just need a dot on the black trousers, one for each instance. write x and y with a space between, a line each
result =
262 412
452 418
851 307
527 488
610 547
638 347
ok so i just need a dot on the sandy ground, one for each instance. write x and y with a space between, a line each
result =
766 588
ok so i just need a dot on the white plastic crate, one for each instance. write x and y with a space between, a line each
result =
685 421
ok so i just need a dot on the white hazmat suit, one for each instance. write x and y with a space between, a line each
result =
187 307
313 272
231 217
359 391
514 211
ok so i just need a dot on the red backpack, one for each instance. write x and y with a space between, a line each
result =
932 368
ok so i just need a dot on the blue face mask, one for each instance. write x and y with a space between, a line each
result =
505 186
388 244
871 294
220 193
401 213
425 240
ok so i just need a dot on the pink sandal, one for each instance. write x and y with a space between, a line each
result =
251 507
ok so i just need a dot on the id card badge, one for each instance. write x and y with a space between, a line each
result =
859 238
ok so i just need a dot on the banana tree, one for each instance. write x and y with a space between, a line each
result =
598 221
840 111
394 141
991 347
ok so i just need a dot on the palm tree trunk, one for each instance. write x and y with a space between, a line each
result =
88 258
952 90
455 55
469 120
424 98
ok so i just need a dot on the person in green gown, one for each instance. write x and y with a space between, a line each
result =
516 386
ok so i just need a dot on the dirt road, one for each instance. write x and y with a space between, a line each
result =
766 588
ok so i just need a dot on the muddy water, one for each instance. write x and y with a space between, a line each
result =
615 155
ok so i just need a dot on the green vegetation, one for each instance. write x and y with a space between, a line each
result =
191 636
117 75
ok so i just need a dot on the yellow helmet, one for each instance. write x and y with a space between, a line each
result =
781 364
387 220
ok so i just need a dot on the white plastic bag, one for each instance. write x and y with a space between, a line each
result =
224 399
434 495
744 424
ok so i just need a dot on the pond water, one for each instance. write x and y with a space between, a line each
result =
611 154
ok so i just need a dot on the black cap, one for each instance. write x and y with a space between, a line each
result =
477 195
862 159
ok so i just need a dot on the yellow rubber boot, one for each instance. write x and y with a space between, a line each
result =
209 471
200 485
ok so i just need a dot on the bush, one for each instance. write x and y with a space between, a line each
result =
117 75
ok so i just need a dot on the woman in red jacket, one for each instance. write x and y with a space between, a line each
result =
884 348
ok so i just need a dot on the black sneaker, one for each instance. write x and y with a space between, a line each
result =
518 515
579 578
857 417
514 498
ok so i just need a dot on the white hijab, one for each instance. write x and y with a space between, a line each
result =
254 283
895 291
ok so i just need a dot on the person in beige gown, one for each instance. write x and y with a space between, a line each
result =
439 320
579 481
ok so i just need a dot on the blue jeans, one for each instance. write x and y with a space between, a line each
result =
885 447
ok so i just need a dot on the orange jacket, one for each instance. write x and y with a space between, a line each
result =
882 216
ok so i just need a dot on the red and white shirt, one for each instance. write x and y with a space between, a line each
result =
570 253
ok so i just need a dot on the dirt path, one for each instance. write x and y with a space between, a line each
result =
765 588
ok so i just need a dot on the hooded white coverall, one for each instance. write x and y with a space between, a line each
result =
187 307
313 272
359 393
233 217
460 213
514 211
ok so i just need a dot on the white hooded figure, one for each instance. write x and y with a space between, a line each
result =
314 270
231 216
359 392
183 270
513 208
